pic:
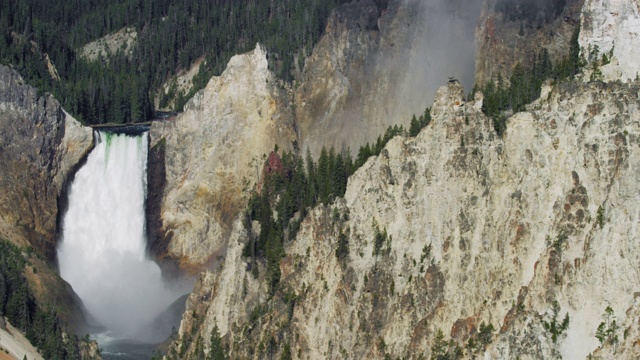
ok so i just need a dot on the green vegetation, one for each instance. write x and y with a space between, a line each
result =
198 352
374 149
480 340
172 35
418 124
382 348
217 350
289 191
558 244
554 327
533 12
342 251
426 253
297 187
286 353
596 61
600 217
486 333
17 303
607 330
445 350
380 238
525 83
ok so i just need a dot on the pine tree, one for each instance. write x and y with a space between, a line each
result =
286 352
323 176
312 178
414 128
216 347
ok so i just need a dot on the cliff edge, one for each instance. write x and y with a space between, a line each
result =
203 163
40 144
457 242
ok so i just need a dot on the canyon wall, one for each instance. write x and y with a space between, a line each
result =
516 232
40 148
378 63
459 242
203 163
505 39
610 36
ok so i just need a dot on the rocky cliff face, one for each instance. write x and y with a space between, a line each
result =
507 38
453 229
377 65
203 162
373 68
456 241
610 36
123 40
40 145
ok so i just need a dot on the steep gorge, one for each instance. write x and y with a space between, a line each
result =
40 146
374 68
480 229
514 232
378 63
518 233
207 159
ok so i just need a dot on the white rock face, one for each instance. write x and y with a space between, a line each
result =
225 296
16 345
480 229
182 83
214 153
124 40
373 68
517 232
612 25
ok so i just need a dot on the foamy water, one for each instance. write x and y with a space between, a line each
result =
102 253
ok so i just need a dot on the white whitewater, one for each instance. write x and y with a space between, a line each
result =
102 253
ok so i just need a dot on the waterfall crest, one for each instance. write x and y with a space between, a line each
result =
102 253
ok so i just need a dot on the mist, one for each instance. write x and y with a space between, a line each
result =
385 69
102 253
444 48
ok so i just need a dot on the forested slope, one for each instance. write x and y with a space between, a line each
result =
171 36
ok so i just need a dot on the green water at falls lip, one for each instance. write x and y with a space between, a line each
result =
102 252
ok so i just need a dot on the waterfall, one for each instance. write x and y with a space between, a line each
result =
102 253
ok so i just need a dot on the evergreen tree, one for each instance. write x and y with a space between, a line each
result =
171 36
291 191
286 352
323 176
312 177
363 155
39 323
217 350
526 83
